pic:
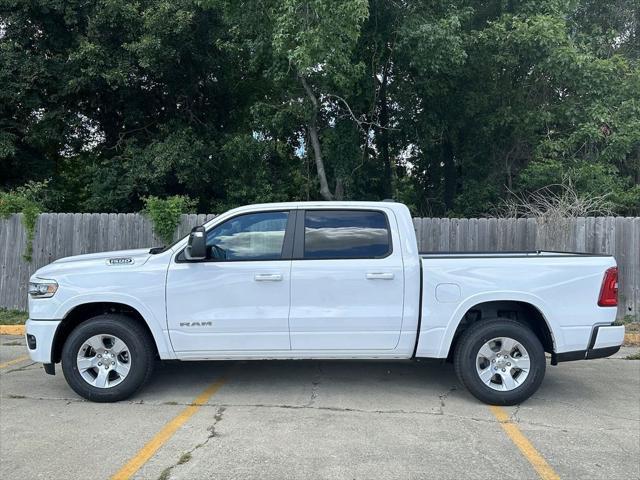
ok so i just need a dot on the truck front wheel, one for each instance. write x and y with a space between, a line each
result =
107 358
501 361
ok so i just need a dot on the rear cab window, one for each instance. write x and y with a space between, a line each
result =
346 234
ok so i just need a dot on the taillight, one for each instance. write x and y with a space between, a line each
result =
609 290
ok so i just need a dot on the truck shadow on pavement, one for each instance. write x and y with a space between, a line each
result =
387 385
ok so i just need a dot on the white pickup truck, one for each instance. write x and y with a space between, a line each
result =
320 280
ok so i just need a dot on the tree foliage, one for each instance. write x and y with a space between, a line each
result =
447 106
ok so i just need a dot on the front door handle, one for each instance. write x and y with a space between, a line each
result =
379 276
268 277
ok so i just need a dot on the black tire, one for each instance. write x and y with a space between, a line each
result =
141 350
475 337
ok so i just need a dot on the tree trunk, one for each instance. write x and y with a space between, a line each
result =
315 142
449 173
387 178
339 195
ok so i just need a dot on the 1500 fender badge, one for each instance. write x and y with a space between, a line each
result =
120 261
196 324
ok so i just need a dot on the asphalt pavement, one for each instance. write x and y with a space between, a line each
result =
320 420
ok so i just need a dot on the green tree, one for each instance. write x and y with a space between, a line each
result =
449 106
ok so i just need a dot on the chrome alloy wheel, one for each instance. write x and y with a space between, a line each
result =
503 364
104 361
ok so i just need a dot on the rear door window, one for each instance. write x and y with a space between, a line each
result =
343 234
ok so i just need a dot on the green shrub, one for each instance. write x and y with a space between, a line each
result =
164 214
26 200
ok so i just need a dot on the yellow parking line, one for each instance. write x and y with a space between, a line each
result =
14 361
166 433
524 445
11 329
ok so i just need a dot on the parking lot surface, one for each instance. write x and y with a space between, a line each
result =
327 419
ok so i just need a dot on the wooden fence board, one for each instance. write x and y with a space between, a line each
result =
62 234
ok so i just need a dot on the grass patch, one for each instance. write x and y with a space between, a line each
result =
631 330
12 317
631 322
634 356
632 327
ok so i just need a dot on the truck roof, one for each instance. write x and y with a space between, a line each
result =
323 204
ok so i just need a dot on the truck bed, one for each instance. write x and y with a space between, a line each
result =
562 286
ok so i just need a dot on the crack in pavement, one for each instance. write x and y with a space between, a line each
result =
188 455
52 399
514 416
475 446
438 413
315 385
22 368
582 408
444 396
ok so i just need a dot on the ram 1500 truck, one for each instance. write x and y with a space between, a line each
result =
320 280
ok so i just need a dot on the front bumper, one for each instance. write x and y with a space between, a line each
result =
605 341
42 332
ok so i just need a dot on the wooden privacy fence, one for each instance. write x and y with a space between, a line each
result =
62 234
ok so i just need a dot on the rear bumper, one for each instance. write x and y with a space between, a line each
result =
605 341
607 336
42 333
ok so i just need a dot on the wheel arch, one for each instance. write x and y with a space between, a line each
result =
528 312
83 312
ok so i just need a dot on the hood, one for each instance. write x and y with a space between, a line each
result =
120 259
135 255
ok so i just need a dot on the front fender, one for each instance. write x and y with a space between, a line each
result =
155 324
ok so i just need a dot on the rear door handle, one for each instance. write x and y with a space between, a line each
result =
268 277
380 276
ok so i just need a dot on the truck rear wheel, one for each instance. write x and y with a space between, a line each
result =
501 361
107 358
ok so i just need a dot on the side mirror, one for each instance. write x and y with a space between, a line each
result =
197 247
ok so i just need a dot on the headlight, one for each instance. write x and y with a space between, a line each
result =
42 288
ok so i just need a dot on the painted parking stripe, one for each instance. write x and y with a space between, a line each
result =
14 361
524 445
146 452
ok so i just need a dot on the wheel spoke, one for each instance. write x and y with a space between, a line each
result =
486 352
96 342
523 363
102 378
508 382
508 344
85 363
118 346
486 375
122 369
